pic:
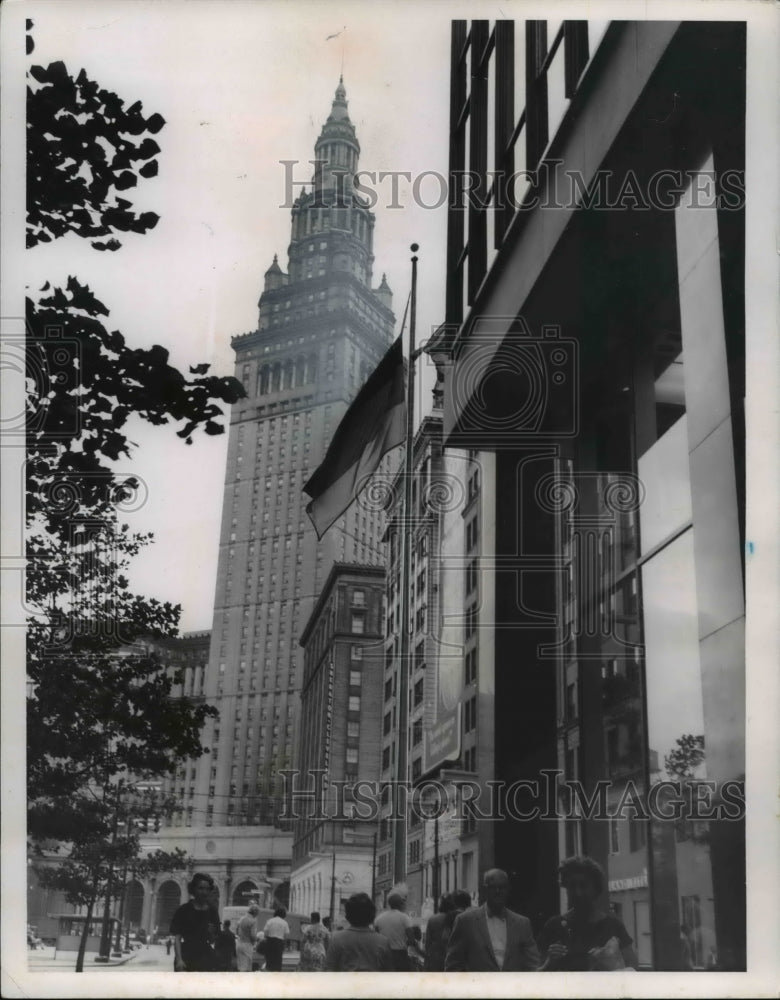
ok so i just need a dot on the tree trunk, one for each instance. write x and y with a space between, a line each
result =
84 935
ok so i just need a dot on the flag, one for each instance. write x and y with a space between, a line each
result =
373 425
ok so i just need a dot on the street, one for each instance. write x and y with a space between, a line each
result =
151 959
146 959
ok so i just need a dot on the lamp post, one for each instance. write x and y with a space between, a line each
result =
373 870
433 801
436 892
105 935
333 888
120 921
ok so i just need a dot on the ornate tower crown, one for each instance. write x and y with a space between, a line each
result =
337 149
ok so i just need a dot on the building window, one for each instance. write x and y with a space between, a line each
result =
359 598
571 701
354 703
471 666
357 652
358 623
417 732
387 724
473 486
419 688
355 678
470 715
469 819
637 834
471 621
614 836
353 730
386 759
471 576
352 755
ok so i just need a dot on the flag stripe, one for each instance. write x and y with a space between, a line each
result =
363 422
373 425
337 497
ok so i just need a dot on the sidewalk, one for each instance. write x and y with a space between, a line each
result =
44 960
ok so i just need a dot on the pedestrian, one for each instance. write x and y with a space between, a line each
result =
314 946
195 926
358 948
226 948
396 925
585 938
437 933
276 930
246 932
492 938
168 945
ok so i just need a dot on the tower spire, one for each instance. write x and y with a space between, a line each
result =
338 111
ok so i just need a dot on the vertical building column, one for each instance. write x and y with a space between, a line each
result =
720 596
716 540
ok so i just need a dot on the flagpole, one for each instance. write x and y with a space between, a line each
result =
405 524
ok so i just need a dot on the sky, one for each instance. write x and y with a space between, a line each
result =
242 86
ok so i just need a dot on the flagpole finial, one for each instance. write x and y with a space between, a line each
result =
414 247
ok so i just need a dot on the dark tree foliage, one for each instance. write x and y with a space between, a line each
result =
687 754
101 721
84 148
97 712
84 384
99 861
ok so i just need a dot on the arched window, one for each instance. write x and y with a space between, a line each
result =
288 375
300 370
264 380
276 382
168 900
134 903
245 893
311 368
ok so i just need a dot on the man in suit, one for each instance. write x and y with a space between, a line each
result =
491 938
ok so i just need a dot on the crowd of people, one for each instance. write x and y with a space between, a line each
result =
459 938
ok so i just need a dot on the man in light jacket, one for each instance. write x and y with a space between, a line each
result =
491 938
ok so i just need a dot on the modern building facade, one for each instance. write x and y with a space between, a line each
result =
595 303
449 684
341 713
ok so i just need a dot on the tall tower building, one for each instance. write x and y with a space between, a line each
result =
322 328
